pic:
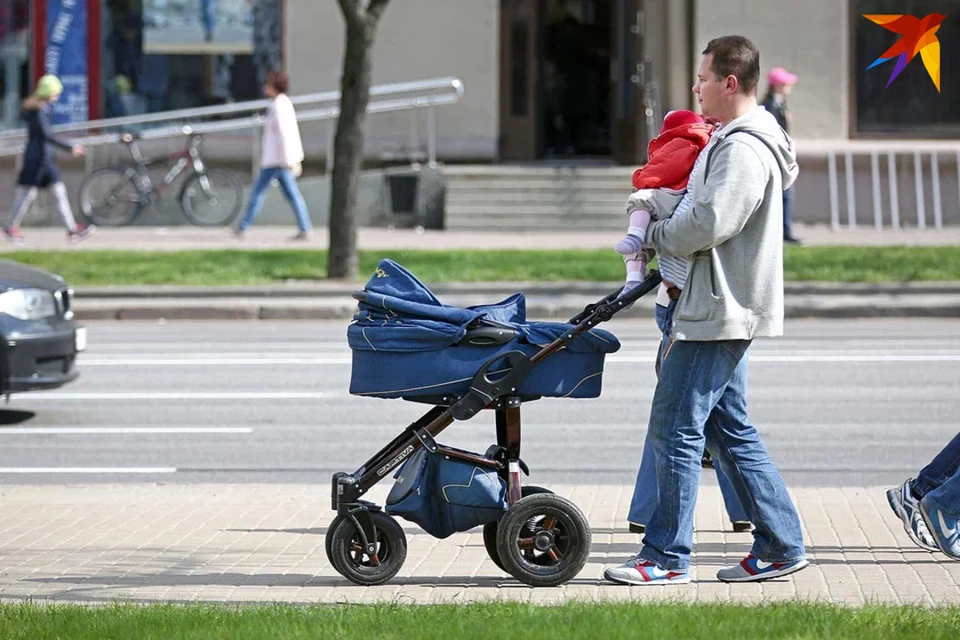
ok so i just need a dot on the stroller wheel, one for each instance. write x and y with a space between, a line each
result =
353 563
543 540
337 521
490 529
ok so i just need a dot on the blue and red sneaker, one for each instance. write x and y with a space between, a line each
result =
639 571
752 569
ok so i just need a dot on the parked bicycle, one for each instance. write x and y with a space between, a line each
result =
115 196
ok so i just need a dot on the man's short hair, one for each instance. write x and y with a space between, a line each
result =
736 56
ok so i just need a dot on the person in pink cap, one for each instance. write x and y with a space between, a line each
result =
780 82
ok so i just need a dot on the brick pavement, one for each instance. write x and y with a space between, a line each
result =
256 543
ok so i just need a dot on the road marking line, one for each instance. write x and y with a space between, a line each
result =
755 357
195 362
29 431
88 470
811 358
252 395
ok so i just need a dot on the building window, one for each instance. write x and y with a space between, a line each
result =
15 49
911 105
161 55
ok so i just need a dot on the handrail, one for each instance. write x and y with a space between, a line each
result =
439 84
418 101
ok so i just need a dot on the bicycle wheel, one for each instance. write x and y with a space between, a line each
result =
109 197
212 199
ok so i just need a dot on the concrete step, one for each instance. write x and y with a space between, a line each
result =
535 208
542 183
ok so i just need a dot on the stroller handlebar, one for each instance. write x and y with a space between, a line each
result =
605 308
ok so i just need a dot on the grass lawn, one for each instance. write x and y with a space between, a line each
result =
253 267
494 620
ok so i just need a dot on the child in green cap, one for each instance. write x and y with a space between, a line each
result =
39 167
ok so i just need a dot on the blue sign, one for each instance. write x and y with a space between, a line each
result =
66 58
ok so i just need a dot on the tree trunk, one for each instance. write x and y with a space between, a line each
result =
348 145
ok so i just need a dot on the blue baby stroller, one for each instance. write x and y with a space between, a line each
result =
407 344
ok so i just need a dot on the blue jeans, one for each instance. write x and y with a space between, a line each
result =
788 213
208 14
645 490
940 480
288 184
700 401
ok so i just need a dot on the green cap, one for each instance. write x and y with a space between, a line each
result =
48 86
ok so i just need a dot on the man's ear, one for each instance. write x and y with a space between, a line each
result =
731 84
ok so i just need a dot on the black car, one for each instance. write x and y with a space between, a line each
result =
39 339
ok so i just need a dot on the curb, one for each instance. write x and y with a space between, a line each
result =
345 309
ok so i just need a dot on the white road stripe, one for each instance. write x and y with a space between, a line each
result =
88 470
754 357
173 395
30 431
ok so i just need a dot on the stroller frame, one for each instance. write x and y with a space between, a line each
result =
504 457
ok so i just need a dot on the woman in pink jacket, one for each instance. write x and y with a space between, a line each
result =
281 157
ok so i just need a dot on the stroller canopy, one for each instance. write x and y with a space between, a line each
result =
398 313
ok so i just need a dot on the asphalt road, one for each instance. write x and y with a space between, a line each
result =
839 403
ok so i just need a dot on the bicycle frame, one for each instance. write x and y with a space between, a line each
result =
187 156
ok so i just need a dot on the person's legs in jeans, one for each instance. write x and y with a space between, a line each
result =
943 467
288 183
731 502
788 214
695 378
778 536
208 10
257 195
644 499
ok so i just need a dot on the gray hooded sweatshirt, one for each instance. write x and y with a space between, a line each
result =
734 234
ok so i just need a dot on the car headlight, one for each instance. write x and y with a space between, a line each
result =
28 304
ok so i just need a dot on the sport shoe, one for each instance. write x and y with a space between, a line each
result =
301 235
944 527
905 505
81 232
13 235
639 571
751 569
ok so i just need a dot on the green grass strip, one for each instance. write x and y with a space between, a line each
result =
260 267
487 620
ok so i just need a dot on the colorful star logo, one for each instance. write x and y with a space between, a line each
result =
919 36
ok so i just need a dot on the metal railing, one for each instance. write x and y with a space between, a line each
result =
402 96
884 153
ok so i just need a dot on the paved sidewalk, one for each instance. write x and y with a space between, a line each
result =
255 543
274 237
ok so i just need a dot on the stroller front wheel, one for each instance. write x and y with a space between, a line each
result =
490 529
543 540
350 559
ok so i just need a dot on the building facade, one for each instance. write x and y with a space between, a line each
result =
544 78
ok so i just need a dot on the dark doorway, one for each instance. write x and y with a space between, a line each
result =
575 68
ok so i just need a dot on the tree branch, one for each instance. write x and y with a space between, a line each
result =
375 9
351 10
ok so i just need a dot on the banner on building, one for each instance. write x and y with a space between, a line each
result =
66 58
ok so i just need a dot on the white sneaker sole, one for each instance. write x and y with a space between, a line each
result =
769 575
643 583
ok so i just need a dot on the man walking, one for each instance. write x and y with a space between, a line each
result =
733 294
